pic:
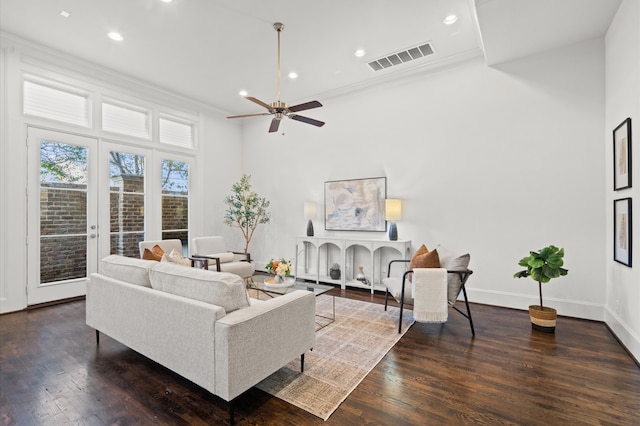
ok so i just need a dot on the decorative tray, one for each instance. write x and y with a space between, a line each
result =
288 282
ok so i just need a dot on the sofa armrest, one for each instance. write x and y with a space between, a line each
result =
252 343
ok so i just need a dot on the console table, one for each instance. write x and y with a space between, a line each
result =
315 255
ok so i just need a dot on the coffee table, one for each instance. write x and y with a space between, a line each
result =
318 289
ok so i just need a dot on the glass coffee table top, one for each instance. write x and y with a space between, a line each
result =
318 289
322 321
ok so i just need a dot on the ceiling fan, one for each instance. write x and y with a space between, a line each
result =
280 109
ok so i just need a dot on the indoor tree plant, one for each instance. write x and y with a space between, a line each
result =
245 209
542 266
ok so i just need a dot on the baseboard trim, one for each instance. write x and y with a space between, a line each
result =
565 308
623 334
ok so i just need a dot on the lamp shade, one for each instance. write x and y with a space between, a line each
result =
393 209
310 210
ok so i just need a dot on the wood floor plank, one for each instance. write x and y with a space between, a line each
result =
52 372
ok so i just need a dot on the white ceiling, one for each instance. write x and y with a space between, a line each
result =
210 49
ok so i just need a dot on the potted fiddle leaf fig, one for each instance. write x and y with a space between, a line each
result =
543 266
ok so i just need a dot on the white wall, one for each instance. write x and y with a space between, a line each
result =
622 101
491 161
216 161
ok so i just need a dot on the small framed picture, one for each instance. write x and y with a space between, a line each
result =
622 231
622 155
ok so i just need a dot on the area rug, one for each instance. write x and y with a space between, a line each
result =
345 352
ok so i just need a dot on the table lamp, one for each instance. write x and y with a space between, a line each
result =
393 212
310 213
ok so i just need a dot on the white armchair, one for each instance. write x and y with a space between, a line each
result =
214 249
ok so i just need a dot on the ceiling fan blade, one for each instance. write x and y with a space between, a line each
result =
275 123
306 120
259 102
249 115
305 106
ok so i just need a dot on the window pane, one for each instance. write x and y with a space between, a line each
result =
127 212
176 133
175 177
55 104
63 258
175 201
126 244
126 171
63 163
63 211
127 203
127 121
175 212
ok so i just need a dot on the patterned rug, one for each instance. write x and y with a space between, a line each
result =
345 352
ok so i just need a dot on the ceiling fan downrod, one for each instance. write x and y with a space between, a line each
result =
278 26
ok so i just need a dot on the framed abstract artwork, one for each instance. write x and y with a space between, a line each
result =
622 155
355 205
622 235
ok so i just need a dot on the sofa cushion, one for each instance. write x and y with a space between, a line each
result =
453 262
128 269
218 288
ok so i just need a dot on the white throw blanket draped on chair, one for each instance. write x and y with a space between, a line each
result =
429 290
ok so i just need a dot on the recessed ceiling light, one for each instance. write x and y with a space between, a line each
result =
242 92
115 36
359 53
293 75
64 14
167 1
451 19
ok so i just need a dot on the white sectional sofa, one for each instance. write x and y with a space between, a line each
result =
200 324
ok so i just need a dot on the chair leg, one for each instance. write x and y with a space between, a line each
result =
386 298
97 337
302 363
400 319
466 302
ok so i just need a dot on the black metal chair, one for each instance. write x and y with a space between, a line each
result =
401 292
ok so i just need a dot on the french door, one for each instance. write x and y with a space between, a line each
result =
63 214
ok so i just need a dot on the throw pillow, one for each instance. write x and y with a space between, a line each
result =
154 254
453 262
423 258
175 257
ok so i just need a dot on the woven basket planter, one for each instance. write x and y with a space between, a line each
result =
543 319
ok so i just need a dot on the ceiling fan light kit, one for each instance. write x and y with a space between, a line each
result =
280 109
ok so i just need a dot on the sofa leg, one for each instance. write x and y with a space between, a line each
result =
302 363
97 337
232 412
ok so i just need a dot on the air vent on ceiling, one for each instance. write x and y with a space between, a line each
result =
401 57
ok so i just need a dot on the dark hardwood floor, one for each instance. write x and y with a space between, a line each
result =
52 372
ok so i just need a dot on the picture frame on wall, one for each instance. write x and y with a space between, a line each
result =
622 236
622 155
355 204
